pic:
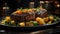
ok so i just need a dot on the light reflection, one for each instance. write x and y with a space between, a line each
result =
41 1
58 5
46 1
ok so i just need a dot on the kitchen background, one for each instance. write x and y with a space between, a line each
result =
9 6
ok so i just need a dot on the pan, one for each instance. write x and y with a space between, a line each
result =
29 28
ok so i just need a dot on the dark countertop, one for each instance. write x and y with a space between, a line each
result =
47 31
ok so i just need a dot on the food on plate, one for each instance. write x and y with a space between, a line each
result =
8 18
46 19
17 12
50 22
41 21
12 22
34 9
25 10
35 23
26 14
22 24
30 10
38 21
51 18
38 18
3 21
29 17
29 24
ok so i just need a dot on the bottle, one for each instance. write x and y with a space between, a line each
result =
31 4
46 4
41 3
5 9
43 12
57 6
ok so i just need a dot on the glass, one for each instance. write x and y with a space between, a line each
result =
5 9
31 5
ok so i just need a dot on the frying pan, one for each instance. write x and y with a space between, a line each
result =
32 28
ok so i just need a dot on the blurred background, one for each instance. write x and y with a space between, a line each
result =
9 6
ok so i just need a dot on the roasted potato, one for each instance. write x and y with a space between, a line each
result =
29 24
22 24
51 18
8 19
50 22
13 22
46 19
38 18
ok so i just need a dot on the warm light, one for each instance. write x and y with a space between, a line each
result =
56 2
58 5
31 2
41 1
47 1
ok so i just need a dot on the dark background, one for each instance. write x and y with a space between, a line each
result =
14 4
